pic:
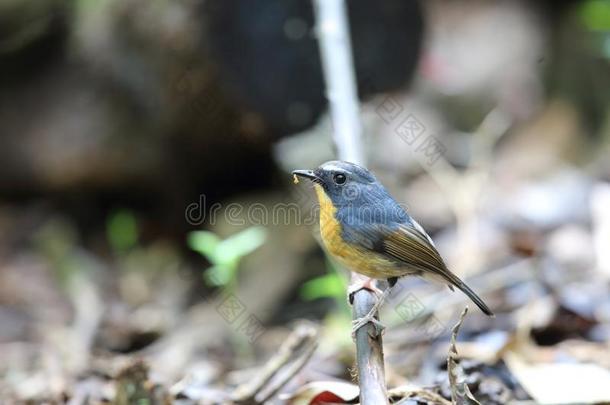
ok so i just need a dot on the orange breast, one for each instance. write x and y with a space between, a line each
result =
356 259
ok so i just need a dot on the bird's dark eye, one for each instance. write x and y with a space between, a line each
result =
339 178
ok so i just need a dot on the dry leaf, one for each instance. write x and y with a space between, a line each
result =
321 392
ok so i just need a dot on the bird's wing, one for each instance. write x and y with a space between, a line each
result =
411 245
405 244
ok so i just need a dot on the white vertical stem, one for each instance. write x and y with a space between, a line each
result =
339 75
338 67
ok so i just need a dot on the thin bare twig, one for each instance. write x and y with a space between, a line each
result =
369 354
460 393
279 369
338 67
286 375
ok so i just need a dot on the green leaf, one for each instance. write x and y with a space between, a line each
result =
241 244
329 285
204 243
596 14
218 276
225 255
122 230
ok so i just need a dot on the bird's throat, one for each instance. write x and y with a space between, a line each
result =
329 226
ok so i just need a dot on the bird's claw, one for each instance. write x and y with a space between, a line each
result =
360 322
368 285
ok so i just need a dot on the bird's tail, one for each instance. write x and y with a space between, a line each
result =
455 280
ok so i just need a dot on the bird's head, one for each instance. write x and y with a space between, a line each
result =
340 181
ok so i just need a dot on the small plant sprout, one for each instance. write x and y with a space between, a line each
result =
225 255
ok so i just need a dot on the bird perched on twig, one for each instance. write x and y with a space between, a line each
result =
367 231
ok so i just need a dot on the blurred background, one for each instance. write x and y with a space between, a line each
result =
153 246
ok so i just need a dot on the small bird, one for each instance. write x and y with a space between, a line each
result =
367 231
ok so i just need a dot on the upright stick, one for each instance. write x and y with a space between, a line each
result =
339 75
338 67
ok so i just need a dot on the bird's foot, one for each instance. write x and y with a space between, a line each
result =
368 284
370 317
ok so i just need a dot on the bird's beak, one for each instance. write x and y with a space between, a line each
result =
308 174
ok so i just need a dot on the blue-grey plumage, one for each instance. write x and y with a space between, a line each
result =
366 230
